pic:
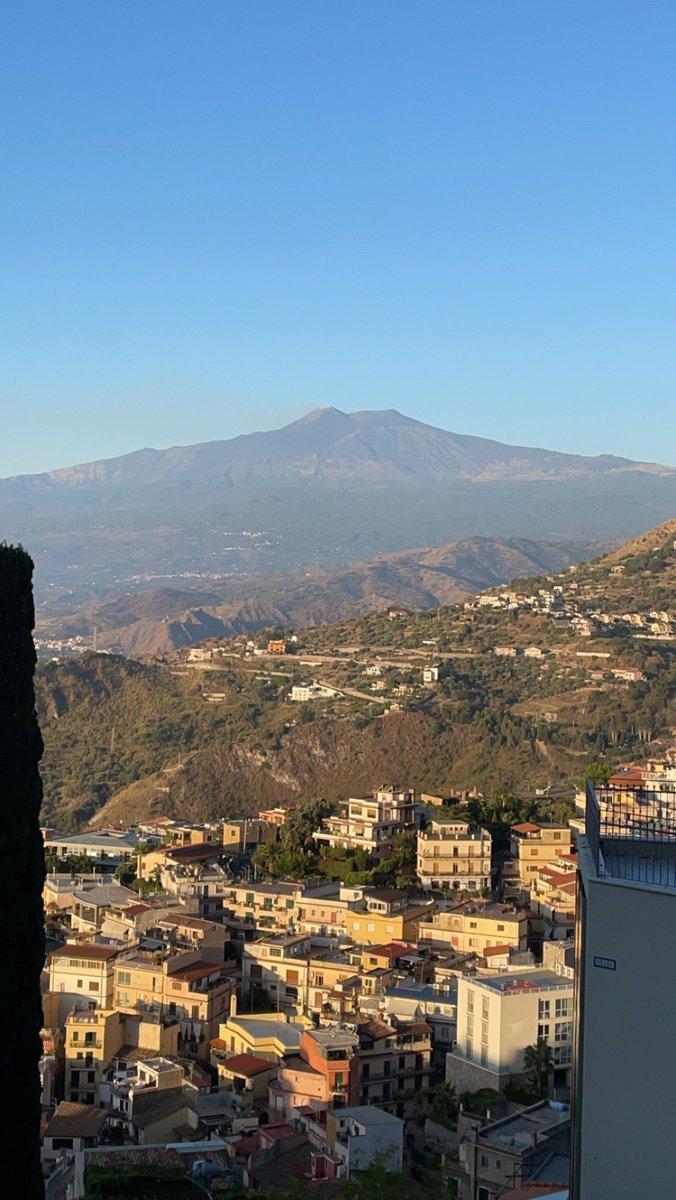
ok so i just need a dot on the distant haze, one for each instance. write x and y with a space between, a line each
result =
330 488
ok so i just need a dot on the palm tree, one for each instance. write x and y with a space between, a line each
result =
539 1063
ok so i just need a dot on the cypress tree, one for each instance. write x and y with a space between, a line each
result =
22 874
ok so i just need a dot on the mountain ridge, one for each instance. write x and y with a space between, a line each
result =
327 429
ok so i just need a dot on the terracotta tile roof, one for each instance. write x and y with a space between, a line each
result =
246 1064
526 827
76 1121
197 971
83 950
490 950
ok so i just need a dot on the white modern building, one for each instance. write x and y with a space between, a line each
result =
499 1016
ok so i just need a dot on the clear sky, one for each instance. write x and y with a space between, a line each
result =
215 216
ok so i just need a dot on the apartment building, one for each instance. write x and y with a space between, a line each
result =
195 991
268 1035
379 915
522 1155
452 855
294 976
625 943
552 898
472 928
499 1016
366 915
370 823
263 906
92 1038
353 1138
104 849
91 902
322 1075
532 845
394 1064
82 973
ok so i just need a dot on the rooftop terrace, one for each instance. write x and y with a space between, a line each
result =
626 847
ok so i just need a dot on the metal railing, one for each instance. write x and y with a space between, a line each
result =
627 844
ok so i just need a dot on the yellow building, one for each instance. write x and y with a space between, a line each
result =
532 845
268 1035
91 1040
473 928
369 916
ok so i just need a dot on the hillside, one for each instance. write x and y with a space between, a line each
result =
332 488
156 621
587 669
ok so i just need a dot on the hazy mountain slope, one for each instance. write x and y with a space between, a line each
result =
123 738
330 488
157 621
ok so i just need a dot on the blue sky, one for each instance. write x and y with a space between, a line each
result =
216 216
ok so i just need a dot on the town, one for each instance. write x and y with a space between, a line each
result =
214 1000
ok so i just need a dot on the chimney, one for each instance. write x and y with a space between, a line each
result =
233 1004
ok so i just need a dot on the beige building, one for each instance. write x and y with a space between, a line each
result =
370 823
268 1035
182 985
82 974
533 845
293 977
552 898
474 928
450 854
499 1016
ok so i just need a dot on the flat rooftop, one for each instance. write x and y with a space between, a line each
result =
518 982
524 1129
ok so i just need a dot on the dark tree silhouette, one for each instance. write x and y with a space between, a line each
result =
22 875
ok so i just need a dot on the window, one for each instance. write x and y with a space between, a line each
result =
469 1048
543 1010
557 837
484 1056
543 1031
484 1008
370 928
355 924
563 1008
93 986
563 1055
289 904
484 1032
473 941
470 1024
80 983
470 1001
501 929
564 1031
124 978
472 924
484 1160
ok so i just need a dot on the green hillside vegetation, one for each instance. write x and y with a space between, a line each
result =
124 737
